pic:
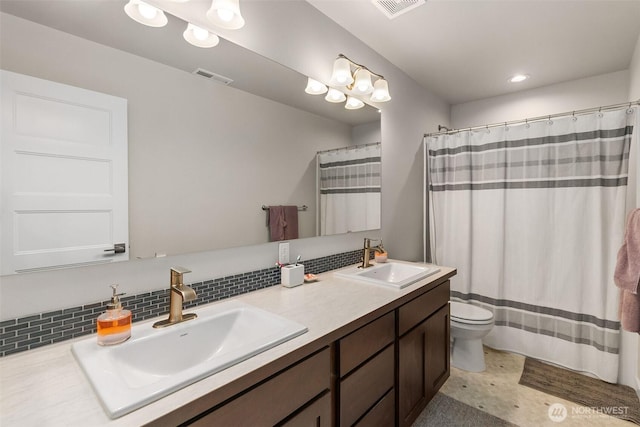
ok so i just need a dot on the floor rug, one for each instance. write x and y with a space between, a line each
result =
444 411
616 400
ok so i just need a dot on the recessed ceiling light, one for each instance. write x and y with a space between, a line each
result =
519 78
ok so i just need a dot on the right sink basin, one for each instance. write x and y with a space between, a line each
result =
391 274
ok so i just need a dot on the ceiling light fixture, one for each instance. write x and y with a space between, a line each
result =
519 78
341 75
380 91
356 79
362 85
145 14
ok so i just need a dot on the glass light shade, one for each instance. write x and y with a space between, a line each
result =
226 14
145 14
314 87
353 103
334 95
200 37
380 91
341 75
362 85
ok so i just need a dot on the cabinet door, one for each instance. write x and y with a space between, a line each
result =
423 364
412 374
437 350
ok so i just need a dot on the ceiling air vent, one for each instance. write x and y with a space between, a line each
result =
395 8
213 76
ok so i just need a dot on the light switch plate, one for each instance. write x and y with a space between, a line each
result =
283 253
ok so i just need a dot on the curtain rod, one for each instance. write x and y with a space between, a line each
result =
350 147
535 119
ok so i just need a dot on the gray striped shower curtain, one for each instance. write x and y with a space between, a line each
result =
532 215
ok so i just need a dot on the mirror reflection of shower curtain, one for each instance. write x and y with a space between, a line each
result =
349 189
532 216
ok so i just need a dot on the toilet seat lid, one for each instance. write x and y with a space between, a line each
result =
468 312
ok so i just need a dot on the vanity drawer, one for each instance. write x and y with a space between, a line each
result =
381 415
277 398
360 345
365 386
418 309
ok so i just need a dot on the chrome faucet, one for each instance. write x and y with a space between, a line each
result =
179 293
366 251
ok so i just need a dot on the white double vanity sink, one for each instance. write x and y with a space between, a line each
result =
178 373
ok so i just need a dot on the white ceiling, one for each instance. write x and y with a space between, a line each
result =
461 50
466 50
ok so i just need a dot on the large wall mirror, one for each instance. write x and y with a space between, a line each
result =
203 156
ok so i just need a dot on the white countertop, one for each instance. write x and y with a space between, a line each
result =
46 387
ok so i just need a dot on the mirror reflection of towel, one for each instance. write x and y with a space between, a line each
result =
283 223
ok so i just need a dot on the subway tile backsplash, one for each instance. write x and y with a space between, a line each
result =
37 330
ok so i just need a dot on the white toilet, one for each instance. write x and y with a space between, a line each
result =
469 324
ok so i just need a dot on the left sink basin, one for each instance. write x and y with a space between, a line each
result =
156 362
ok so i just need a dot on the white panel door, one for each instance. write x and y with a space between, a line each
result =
63 159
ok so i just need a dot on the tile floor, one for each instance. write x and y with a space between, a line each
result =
497 392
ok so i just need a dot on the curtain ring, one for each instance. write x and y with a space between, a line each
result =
549 121
506 127
526 123
575 119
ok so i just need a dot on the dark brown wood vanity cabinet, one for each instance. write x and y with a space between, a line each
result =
423 351
382 374
298 396
365 375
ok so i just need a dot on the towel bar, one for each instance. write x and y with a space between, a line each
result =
300 208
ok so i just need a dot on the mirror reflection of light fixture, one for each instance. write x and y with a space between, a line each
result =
314 87
223 13
353 103
145 14
226 14
200 37
334 95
